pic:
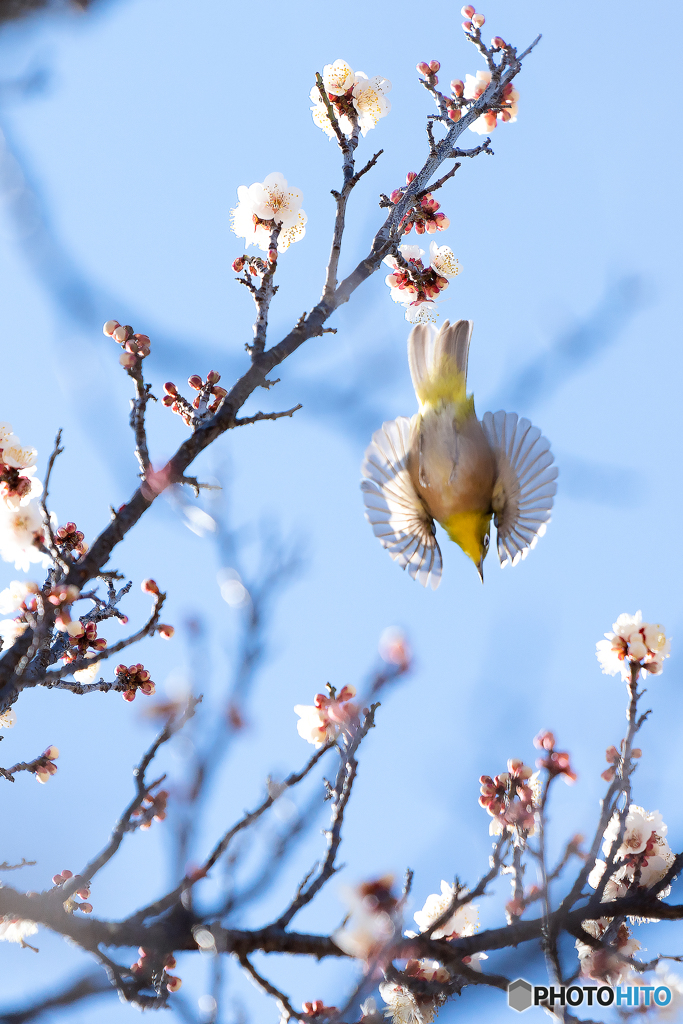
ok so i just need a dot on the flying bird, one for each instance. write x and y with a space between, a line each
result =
444 465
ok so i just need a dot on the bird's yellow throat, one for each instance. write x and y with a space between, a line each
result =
468 529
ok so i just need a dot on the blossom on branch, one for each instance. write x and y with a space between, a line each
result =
476 86
633 642
21 535
415 286
406 1007
266 205
324 720
8 719
355 99
13 929
373 922
463 921
17 468
604 963
644 851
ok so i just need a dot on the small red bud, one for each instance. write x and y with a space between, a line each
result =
127 359
457 87
195 382
110 327
272 255
467 11
455 115
497 43
434 66
422 68
149 587
165 631
212 377
467 25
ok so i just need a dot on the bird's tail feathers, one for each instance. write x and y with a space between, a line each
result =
438 364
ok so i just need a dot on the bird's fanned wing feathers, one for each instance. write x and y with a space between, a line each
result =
394 510
525 486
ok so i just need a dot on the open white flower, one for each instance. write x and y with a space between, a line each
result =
12 597
347 89
13 929
476 85
90 673
465 920
18 456
11 630
642 828
263 205
20 530
443 260
370 101
633 641
8 719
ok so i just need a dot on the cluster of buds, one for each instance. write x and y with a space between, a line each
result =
135 346
254 265
134 678
153 808
154 969
509 798
328 716
70 538
556 762
474 21
318 1010
17 470
43 767
424 216
206 402
633 644
84 893
82 639
411 283
613 758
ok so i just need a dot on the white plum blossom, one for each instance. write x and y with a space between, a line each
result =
354 97
20 530
443 260
373 921
324 720
464 921
17 468
475 86
12 597
263 205
602 964
403 1006
633 641
8 719
369 99
642 828
13 929
11 630
90 673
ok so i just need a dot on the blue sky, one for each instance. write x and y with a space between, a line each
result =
151 116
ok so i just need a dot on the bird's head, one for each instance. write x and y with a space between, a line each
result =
471 531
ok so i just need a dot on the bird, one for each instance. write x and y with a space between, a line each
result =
445 466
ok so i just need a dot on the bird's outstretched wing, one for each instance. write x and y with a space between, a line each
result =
525 485
394 510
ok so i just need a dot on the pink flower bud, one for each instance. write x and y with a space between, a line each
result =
497 43
142 339
467 11
170 962
165 631
127 359
212 377
467 25
636 753
52 753
86 908
168 400
272 255
410 176
170 388
173 983
110 327
120 334
434 66
42 775
195 382
149 587
238 265
478 20
457 87
422 68
148 689
455 115
83 893
128 695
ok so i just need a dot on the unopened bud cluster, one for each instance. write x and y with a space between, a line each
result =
556 762
43 767
152 968
134 678
425 216
318 1010
613 758
70 538
83 892
135 346
509 798
153 808
254 265
473 21
82 639
206 402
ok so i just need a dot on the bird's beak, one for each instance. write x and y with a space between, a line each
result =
480 568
